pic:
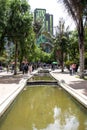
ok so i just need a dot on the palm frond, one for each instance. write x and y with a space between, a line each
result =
75 8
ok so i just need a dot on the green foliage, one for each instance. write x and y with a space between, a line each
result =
2 59
61 43
45 57
76 10
4 8
20 19
40 56
86 39
73 50
19 27
16 25
68 63
37 27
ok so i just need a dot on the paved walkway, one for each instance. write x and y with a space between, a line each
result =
73 84
77 87
8 92
72 80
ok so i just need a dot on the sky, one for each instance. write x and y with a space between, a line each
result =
56 9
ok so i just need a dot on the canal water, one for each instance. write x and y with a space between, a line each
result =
44 108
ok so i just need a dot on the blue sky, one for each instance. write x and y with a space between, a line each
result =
55 8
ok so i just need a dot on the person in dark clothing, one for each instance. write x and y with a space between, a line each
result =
12 70
25 68
71 70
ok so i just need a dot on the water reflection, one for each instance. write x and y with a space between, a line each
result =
71 122
45 108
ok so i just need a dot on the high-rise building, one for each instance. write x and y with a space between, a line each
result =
49 22
39 15
45 18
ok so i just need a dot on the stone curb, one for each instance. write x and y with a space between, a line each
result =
78 96
6 103
9 99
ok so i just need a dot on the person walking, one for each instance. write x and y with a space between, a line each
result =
25 68
74 68
71 70
30 68
7 67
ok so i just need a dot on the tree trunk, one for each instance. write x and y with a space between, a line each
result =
16 55
62 61
81 48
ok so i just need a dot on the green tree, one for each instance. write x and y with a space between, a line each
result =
61 42
73 46
19 25
37 28
86 47
76 10
4 8
27 47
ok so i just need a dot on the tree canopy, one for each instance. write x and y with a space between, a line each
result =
16 26
76 10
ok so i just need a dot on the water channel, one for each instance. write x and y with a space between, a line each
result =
44 107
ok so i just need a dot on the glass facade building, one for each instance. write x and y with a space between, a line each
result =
45 18
49 23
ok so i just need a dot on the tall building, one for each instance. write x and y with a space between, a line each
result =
49 22
45 18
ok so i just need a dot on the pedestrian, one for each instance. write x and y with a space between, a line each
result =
12 69
25 68
74 68
71 70
30 68
7 67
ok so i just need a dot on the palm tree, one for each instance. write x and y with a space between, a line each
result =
19 26
61 41
76 9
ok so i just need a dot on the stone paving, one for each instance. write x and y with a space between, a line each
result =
10 89
73 84
72 80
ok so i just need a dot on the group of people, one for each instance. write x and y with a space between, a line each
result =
26 68
73 69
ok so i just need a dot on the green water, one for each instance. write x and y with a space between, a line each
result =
41 77
44 108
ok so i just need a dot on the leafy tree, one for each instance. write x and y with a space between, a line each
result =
37 25
73 46
19 25
61 42
85 47
76 9
27 47
4 8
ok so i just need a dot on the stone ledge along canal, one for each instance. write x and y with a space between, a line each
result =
44 107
